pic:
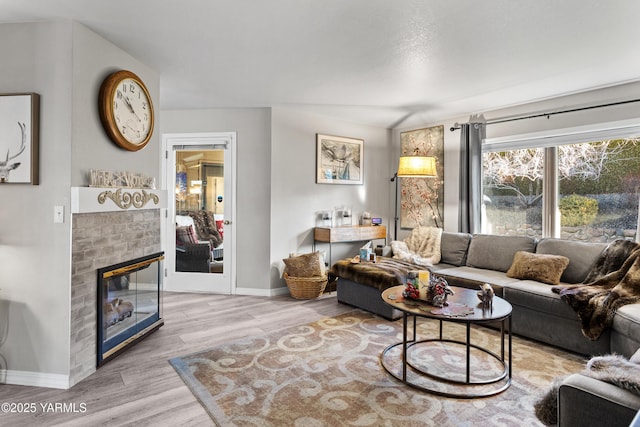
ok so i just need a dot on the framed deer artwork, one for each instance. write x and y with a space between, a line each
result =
19 137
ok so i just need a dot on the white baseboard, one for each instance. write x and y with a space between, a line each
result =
35 379
283 290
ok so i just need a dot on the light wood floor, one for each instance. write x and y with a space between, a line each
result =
140 387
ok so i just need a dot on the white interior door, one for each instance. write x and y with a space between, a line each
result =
199 227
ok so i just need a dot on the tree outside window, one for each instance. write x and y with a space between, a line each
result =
599 186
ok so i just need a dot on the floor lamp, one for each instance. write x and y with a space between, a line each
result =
412 167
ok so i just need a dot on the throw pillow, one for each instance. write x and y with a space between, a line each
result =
220 226
184 236
541 267
306 265
192 233
323 258
453 248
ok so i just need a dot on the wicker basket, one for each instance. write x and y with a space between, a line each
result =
305 287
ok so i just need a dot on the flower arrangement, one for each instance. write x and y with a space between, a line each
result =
436 293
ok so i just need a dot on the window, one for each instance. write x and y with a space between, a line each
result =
599 183
563 187
512 191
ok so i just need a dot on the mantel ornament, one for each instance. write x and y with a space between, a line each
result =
101 178
125 199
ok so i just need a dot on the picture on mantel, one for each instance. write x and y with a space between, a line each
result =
422 199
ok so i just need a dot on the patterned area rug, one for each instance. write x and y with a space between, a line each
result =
328 373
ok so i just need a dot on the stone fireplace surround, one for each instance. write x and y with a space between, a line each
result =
100 239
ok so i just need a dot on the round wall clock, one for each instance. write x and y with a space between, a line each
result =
126 110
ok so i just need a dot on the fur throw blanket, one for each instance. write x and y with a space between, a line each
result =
615 281
422 247
612 369
611 259
384 273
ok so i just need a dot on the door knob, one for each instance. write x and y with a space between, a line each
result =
226 222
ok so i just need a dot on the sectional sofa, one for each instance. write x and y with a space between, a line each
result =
538 312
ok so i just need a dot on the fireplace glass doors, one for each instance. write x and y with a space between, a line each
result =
128 303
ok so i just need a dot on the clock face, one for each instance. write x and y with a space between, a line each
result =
126 110
131 111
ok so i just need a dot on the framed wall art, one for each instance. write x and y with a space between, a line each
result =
19 135
339 160
422 199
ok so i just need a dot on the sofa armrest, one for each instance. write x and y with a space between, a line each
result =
193 258
196 249
585 402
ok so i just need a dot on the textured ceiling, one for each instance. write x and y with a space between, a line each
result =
382 62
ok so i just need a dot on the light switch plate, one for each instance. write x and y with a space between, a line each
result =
58 214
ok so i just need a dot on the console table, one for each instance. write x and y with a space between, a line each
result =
348 233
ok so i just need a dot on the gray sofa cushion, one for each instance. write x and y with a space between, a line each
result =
496 252
474 277
539 297
582 256
453 248
540 314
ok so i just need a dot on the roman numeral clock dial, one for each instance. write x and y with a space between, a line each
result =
126 110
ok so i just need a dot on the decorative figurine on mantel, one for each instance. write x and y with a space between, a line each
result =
108 179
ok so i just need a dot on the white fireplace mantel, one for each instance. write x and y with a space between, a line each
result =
98 199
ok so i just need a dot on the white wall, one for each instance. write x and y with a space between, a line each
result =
277 197
562 121
94 58
253 127
65 63
35 273
295 196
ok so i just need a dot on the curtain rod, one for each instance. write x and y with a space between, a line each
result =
553 113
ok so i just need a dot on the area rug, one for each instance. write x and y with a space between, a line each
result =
328 373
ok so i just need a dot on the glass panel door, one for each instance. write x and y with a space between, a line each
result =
199 177
199 211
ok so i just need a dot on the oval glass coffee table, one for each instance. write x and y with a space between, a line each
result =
451 367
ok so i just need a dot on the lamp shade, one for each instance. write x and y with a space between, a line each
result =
417 167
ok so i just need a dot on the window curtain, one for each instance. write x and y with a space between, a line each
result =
470 203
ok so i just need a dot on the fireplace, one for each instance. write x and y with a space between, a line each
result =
128 304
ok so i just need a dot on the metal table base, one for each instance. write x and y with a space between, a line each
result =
502 381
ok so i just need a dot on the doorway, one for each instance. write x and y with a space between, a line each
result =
199 175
